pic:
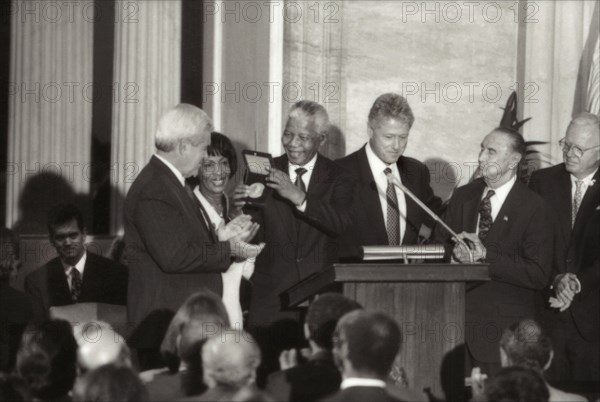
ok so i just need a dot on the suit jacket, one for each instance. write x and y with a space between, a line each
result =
171 252
103 281
519 253
307 382
575 249
15 314
299 244
368 226
362 394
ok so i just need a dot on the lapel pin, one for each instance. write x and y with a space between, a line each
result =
505 219
598 208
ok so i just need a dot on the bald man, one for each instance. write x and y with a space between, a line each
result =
573 195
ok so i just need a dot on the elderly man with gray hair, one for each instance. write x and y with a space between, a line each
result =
229 360
171 249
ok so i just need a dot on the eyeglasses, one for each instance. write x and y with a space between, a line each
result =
578 152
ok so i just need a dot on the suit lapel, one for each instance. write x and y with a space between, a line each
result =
91 278
412 209
471 206
316 187
282 206
509 211
562 191
590 201
58 287
370 198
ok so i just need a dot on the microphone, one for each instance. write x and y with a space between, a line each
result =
425 208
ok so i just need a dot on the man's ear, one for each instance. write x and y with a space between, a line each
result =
370 130
547 366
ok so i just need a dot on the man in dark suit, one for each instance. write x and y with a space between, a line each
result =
571 191
365 345
171 249
505 225
75 276
383 214
308 209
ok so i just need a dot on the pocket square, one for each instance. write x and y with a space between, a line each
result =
598 208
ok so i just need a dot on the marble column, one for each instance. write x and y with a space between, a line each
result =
147 83
50 109
312 65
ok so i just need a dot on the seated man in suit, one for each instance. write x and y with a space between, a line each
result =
571 191
365 345
383 214
505 225
319 376
75 276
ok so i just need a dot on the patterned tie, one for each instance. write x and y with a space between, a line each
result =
299 182
485 215
393 213
576 201
75 284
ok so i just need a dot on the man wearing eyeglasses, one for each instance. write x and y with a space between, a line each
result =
571 312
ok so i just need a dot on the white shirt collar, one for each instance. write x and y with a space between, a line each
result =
362 382
173 169
309 166
502 192
80 266
587 181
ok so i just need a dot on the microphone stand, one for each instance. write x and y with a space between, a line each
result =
425 208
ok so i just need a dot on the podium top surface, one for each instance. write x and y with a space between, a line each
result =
388 273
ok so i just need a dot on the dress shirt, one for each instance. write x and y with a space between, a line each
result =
587 182
80 266
362 382
310 166
497 200
173 169
377 167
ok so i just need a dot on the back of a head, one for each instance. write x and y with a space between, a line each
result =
373 341
47 359
205 311
391 106
99 344
323 315
182 122
110 383
526 344
516 384
230 360
9 254
13 388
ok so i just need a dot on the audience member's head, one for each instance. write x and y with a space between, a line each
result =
99 344
204 311
9 255
67 232
47 359
581 145
182 137
13 388
366 344
110 383
305 131
230 360
525 344
516 384
323 315
220 145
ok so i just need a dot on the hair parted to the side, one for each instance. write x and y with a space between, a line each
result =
391 106
315 112
517 384
183 122
63 214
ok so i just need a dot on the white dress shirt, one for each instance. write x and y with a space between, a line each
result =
362 382
497 200
377 167
310 166
80 266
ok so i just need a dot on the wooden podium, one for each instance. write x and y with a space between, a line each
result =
428 302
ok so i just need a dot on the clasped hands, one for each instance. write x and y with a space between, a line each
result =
238 232
565 286
474 243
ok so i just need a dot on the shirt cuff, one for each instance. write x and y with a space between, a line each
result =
302 207
578 285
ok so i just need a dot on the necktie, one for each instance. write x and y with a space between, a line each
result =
576 201
75 284
485 215
393 213
299 182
